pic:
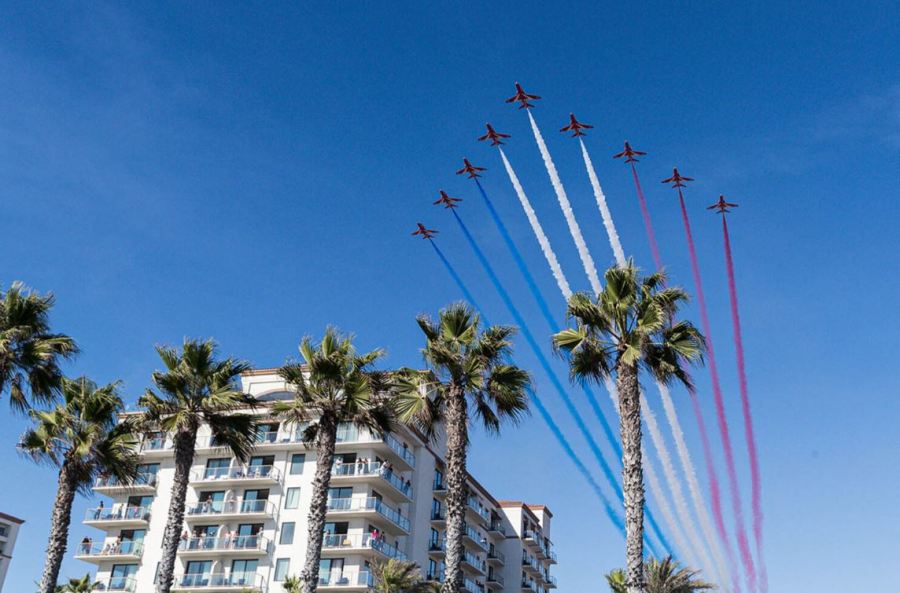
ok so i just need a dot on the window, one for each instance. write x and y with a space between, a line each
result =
438 480
435 543
297 462
292 498
282 566
287 533
217 468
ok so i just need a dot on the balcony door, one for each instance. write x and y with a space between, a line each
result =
131 540
121 576
331 571
146 473
261 465
212 501
243 572
197 573
217 468
254 500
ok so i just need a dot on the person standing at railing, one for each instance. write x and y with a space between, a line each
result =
99 511
86 544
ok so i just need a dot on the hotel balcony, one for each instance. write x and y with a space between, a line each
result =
549 581
242 474
372 473
124 551
470 535
531 565
496 557
155 447
110 485
497 527
127 584
477 511
236 545
117 516
339 580
350 437
438 517
371 507
360 543
225 582
530 585
231 509
473 562
495 581
471 586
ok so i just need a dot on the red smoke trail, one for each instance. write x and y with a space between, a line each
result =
756 487
651 236
743 544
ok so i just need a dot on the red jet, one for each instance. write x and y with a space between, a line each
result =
471 169
722 206
676 179
575 127
522 97
426 233
629 154
493 135
447 201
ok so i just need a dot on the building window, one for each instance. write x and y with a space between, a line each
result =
287 533
282 566
292 498
217 468
297 462
438 480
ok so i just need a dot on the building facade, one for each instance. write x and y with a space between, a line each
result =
9 531
245 524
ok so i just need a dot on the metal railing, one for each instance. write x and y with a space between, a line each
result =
348 433
373 469
474 560
338 578
143 479
495 554
473 586
239 507
239 472
159 443
110 548
479 508
117 513
479 539
367 504
340 541
233 542
497 526
237 580
495 578
118 584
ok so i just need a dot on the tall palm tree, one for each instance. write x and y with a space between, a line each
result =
83 438
468 377
29 353
630 326
195 388
662 577
83 585
400 576
333 385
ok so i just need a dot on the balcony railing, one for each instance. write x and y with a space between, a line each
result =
117 584
438 515
348 433
114 482
374 469
550 580
495 554
117 514
495 578
479 539
343 541
497 525
159 443
338 578
474 561
400 449
225 580
240 472
369 504
110 548
473 586
479 508
529 585
230 507
244 543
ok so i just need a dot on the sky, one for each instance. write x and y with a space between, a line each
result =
251 172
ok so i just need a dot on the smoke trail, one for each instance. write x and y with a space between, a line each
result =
648 225
538 230
545 310
756 486
602 205
545 415
586 260
743 544
545 364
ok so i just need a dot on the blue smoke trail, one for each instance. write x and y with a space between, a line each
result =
545 309
564 443
526 332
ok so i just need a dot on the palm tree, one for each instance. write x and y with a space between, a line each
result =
466 368
400 576
29 353
333 385
291 584
83 438
630 325
82 585
662 577
195 389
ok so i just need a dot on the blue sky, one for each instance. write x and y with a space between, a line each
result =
252 173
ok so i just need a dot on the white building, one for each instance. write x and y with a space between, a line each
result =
9 531
245 524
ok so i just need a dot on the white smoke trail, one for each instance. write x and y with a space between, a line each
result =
666 511
586 260
693 484
604 208
538 230
697 547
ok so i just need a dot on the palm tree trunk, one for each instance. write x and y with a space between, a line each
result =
185 443
59 529
632 475
325 440
457 490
